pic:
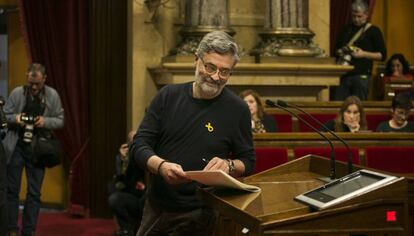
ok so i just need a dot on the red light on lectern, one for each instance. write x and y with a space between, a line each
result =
391 216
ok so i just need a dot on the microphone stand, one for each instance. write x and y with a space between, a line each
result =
349 155
332 174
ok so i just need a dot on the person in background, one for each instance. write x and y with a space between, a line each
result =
358 44
127 196
396 71
3 191
398 67
3 174
200 125
351 117
261 122
31 110
400 111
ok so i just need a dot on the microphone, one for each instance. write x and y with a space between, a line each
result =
349 156
3 119
332 174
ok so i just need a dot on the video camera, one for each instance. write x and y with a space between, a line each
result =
28 121
344 55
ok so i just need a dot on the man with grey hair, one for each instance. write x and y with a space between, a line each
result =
359 44
200 125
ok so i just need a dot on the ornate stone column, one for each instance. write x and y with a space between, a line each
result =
200 18
286 31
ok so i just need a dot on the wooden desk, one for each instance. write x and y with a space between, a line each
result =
275 212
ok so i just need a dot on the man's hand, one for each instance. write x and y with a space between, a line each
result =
217 164
173 173
353 126
18 119
39 122
358 53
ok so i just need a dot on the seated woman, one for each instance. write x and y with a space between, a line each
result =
401 107
397 72
351 117
261 123
397 67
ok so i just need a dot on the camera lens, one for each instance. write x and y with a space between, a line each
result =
28 133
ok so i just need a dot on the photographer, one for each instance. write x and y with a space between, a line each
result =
30 109
359 44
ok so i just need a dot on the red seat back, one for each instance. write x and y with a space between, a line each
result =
283 121
267 158
323 118
392 159
373 120
341 153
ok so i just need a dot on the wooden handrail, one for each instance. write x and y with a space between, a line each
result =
296 139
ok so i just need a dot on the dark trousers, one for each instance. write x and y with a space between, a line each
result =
22 158
127 208
3 192
3 213
356 85
200 222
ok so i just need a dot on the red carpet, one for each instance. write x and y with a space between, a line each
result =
62 224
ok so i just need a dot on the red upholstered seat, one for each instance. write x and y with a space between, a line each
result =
283 121
267 158
373 120
323 118
340 153
392 159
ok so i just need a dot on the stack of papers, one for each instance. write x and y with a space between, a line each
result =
221 179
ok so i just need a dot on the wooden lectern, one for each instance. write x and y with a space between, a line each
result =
384 211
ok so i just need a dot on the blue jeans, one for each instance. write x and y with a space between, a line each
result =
353 85
22 157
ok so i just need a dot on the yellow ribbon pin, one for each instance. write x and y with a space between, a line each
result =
209 127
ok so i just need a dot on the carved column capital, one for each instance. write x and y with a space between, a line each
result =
286 31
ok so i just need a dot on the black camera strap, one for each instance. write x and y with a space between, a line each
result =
35 105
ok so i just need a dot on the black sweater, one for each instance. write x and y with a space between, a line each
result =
175 129
371 40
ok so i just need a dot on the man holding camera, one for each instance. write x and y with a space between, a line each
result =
359 44
30 109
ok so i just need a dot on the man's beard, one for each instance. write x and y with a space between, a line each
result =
209 87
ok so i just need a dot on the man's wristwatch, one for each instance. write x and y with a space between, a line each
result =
230 162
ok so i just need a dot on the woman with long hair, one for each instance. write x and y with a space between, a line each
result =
351 117
261 122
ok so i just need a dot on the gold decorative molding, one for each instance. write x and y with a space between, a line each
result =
313 77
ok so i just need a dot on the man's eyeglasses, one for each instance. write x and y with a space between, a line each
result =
211 69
